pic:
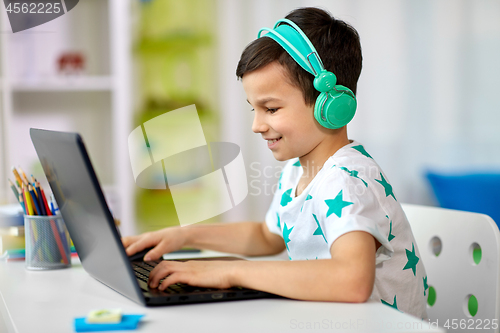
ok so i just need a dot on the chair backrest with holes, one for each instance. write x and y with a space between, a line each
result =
461 254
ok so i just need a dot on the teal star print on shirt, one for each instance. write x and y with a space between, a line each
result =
319 231
309 197
426 286
412 260
394 305
336 205
391 236
354 174
362 150
286 235
286 198
297 164
279 224
387 186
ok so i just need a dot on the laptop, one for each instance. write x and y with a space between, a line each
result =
76 189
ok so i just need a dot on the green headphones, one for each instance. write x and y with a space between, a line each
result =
336 105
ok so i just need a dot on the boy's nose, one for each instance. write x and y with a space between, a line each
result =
259 125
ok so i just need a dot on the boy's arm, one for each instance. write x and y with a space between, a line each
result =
245 238
347 277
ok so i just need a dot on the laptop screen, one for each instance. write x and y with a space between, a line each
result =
83 207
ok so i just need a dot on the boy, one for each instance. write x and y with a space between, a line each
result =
334 211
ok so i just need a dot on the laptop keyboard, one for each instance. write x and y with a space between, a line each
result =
142 270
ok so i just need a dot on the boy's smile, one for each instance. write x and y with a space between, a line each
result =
281 114
284 119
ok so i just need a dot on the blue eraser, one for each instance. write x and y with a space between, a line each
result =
129 322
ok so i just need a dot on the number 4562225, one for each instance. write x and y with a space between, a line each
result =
34 8
471 324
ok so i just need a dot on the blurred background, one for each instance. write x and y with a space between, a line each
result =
427 97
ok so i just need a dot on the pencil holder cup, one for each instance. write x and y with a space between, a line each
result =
47 242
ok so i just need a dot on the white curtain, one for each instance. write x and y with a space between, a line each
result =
428 95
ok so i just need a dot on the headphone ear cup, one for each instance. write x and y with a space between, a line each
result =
336 108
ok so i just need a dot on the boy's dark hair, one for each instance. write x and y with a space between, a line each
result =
336 42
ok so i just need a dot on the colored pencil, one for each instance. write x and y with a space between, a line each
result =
44 200
14 189
62 232
57 234
25 179
27 201
49 211
21 201
18 178
39 198
57 237
34 200
33 180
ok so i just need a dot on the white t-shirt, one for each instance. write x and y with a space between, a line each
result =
350 193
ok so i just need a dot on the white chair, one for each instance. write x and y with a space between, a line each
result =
450 243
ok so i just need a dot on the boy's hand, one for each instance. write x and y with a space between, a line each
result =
164 241
207 274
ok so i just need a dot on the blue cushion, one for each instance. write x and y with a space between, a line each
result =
474 192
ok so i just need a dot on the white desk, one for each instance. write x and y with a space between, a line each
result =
48 301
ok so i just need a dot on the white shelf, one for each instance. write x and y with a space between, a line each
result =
69 83
96 103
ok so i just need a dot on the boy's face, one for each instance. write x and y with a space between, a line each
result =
281 114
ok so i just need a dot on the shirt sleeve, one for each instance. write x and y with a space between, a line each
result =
348 204
273 221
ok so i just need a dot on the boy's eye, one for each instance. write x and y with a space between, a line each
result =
272 110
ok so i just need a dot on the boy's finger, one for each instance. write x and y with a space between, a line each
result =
153 254
173 278
160 271
134 248
126 241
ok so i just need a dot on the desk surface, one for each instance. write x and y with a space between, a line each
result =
48 301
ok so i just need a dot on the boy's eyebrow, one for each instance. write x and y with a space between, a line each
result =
265 100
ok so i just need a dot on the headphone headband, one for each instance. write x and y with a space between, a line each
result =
295 42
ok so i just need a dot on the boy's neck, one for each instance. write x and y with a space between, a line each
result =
313 161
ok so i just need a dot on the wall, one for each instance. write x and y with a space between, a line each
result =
427 95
